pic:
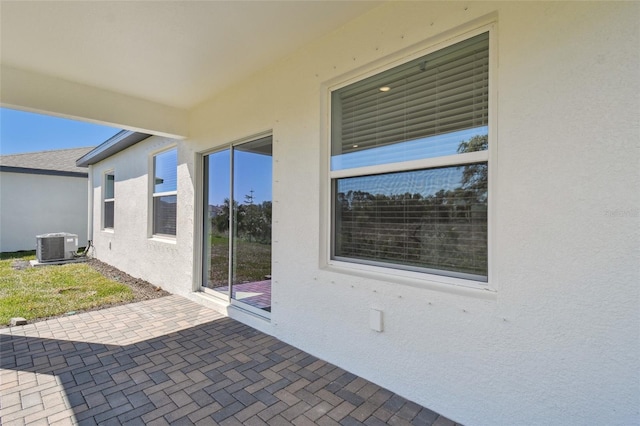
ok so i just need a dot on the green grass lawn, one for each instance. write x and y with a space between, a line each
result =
253 261
45 291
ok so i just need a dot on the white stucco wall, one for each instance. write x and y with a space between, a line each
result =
32 204
129 246
557 341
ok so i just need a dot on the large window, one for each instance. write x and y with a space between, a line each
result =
409 164
165 192
109 200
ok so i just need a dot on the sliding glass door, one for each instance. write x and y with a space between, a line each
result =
237 243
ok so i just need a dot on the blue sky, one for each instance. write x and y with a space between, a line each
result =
28 132
22 132
252 173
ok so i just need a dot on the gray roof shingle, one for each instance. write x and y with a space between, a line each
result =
62 160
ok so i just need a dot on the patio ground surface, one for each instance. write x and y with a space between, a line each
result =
173 361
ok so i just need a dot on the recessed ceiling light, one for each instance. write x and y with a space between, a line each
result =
355 146
385 88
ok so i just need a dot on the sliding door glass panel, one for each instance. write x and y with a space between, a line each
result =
251 268
217 210
237 225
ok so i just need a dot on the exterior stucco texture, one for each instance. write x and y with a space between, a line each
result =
34 204
553 338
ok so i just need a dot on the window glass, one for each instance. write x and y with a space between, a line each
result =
164 192
431 219
109 195
238 212
165 171
109 186
164 215
108 214
422 109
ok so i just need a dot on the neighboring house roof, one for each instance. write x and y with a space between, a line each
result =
113 145
61 162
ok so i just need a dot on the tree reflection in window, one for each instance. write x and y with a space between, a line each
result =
430 219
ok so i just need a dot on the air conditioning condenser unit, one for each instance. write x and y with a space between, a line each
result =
56 246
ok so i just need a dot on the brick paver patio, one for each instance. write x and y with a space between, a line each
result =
172 361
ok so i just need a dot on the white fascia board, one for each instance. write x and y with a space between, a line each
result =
30 91
118 142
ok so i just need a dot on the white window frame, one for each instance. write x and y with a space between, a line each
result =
412 278
105 200
154 195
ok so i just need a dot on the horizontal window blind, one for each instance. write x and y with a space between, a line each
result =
445 91
434 219
108 214
164 215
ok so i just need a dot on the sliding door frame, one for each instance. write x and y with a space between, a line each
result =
205 241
